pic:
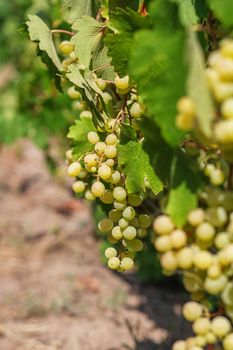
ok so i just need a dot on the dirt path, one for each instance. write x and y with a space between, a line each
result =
54 291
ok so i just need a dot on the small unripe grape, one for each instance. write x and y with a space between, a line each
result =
186 106
73 94
144 220
221 240
123 223
110 151
98 189
78 186
136 245
163 225
192 311
66 47
205 231
74 169
91 159
196 217
203 260
110 252
168 261
90 169
83 173
227 108
104 172
201 325
224 131
179 345
122 83
85 115
107 197
100 148
215 285
178 239
127 263
114 215
220 326
114 263
136 110
116 232
135 200
93 137
185 258
119 193
184 121
120 205
128 213
101 84
105 225
116 177
130 232
89 196
111 139
163 244
217 176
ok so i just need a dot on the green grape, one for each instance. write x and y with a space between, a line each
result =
111 239
114 215
116 177
134 222
93 137
130 232
200 341
114 263
227 294
135 200
105 225
107 197
163 225
136 245
101 84
98 189
215 285
117 233
227 108
73 94
205 232
111 139
123 223
224 131
122 83
184 121
211 338
144 220
66 47
228 342
178 239
89 196
110 162
185 258
119 193
203 260
128 213
192 311
85 115
120 205
100 148
163 244
74 169
142 232
201 325
222 240
196 217
127 263
209 169
136 110
220 326
217 216
186 106
91 159
214 271
179 345
168 261
83 173
78 186
110 252
191 283
104 172
110 151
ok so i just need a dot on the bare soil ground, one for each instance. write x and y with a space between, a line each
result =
54 292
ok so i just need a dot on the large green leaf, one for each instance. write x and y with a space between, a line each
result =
136 166
183 190
77 8
78 134
40 32
197 86
223 11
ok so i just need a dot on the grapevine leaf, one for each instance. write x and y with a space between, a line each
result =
101 63
75 76
78 134
136 166
77 8
88 38
40 32
127 134
222 10
182 196
187 12
197 86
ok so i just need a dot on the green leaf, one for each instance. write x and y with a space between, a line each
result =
113 4
77 8
40 32
187 12
127 134
197 86
102 63
136 166
78 134
87 39
182 195
223 11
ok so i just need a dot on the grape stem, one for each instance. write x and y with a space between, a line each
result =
53 31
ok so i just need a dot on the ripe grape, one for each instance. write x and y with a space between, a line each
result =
119 193
72 93
78 186
110 151
192 311
66 47
201 325
105 225
203 260
98 189
123 223
227 108
74 169
85 115
178 239
168 261
196 217
122 83
228 342
128 213
127 263
114 215
186 106
114 263
89 196
144 220
130 232
220 326
91 159
163 225
117 233
100 148
136 110
184 121
136 245
185 258
179 345
215 285
93 137
120 205
111 139
135 200
101 84
217 176
110 252
104 172
107 197
205 232
163 244
116 177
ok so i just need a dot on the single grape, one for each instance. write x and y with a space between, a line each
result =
163 225
200 341
214 271
107 197
228 342
185 258
85 115
120 205
186 106
111 239
196 217
66 47
116 177
184 121
111 139
130 232
144 220
91 159
110 252
74 169
163 244
93 137
215 285
78 186
105 225
110 162
83 173
98 189
114 263
211 338
168 261
201 325
227 108
100 148
205 232
192 311
117 233
89 196
136 245
119 193
224 134
122 83
203 260
191 283
142 232
134 222
104 172
220 326
179 345
217 216
101 84
136 110
110 151
114 215
135 200
178 239
73 94
127 263
123 223
128 213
